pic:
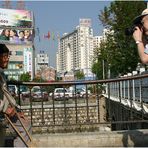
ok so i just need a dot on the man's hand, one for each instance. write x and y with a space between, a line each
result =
10 111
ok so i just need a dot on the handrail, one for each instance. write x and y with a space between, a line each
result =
80 82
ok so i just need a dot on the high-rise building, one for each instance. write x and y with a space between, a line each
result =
75 50
97 41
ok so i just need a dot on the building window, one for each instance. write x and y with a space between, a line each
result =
19 53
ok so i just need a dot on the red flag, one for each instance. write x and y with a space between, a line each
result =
47 36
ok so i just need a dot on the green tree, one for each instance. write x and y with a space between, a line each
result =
25 77
79 75
118 50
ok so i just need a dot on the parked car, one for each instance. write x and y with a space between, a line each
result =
24 91
38 94
60 93
13 90
82 92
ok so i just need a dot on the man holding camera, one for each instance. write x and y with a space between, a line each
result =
140 34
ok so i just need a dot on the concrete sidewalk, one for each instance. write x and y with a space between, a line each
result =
134 138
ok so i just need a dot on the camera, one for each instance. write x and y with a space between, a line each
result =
130 30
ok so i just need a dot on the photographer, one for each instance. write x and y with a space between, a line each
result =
140 34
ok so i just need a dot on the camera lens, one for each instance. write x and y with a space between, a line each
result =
130 31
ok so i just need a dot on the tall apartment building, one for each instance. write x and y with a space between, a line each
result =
97 41
75 50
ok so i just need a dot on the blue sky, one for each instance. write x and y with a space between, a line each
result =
60 17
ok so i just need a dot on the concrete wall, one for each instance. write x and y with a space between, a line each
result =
136 138
2 135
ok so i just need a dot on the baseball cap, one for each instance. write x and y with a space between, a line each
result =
138 19
3 49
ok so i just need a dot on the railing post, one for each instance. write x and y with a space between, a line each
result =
31 112
131 103
97 97
76 109
141 101
42 101
87 106
109 104
53 107
124 89
133 90
65 110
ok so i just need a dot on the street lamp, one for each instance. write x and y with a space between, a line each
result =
138 68
103 68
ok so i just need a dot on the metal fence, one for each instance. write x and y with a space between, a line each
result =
48 109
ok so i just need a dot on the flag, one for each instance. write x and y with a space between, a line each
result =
38 33
53 37
58 36
47 36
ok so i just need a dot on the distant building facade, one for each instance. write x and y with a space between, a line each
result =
41 61
97 41
21 61
42 68
75 50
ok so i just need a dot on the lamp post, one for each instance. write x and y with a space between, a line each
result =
138 68
108 71
103 68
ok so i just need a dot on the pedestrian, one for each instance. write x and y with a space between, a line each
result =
140 35
8 106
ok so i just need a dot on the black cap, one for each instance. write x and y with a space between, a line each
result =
3 49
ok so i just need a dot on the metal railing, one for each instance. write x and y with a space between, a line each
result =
129 94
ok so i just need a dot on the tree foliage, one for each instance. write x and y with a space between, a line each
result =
118 51
25 77
79 75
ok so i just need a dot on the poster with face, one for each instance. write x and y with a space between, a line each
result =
16 26
14 36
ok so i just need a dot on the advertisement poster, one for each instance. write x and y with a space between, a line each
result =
16 18
28 60
14 36
16 26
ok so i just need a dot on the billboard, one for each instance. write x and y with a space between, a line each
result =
15 36
28 66
16 18
16 26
